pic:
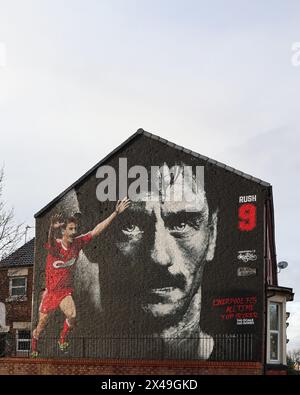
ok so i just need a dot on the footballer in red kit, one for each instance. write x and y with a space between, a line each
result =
60 264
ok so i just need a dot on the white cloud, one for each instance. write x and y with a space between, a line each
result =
2 54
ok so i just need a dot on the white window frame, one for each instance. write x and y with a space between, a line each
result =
276 332
11 296
18 339
281 301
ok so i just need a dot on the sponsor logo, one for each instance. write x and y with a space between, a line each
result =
245 321
62 264
246 271
247 256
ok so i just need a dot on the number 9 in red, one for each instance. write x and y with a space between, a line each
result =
247 217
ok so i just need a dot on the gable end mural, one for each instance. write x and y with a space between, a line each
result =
177 272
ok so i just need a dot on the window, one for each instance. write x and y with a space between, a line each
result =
18 286
274 314
23 341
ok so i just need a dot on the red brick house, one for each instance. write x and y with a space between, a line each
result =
16 277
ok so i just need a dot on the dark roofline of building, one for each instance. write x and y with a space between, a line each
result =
154 137
271 221
22 257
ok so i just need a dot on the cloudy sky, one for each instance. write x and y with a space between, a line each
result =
219 77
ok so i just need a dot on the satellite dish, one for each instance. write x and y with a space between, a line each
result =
282 265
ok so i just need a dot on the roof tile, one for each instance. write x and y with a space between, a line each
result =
23 256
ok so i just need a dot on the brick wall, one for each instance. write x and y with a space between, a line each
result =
22 366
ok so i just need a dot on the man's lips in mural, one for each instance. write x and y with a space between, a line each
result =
163 291
165 285
154 280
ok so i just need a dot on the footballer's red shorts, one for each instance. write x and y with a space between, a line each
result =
51 299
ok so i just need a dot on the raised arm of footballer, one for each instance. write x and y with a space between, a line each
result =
120 207
60 263
56 223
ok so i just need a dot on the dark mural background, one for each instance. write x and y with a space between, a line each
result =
109 287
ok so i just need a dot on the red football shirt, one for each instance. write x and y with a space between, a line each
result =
60 262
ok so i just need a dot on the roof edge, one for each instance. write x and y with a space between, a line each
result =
282 290
162 140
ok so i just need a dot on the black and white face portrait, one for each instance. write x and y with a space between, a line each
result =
151 259
166 243
162 280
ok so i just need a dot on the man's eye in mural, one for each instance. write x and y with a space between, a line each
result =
179 228
132 230
180 224
133 225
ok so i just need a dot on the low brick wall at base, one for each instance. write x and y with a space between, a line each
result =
25 366
276 372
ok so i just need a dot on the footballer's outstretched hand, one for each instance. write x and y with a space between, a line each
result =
56 221
122 205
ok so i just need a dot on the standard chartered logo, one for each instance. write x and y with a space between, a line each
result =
62 264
